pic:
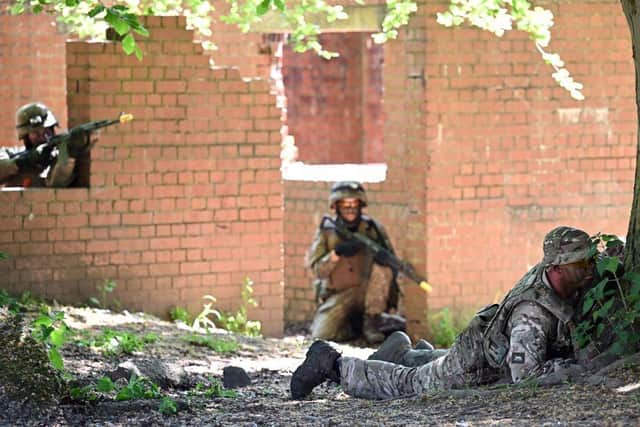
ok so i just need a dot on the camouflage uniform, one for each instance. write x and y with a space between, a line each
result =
353 290
31 117
526 335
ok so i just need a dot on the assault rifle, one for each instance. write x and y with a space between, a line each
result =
396 264
72 134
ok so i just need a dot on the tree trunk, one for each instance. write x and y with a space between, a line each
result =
632 246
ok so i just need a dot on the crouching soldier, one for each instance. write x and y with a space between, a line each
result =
35 125
355 292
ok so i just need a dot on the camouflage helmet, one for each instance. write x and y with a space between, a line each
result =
564 245
33 116
347 190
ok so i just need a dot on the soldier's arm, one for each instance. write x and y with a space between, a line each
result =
320 259
531 326
8 168
61 173
382 236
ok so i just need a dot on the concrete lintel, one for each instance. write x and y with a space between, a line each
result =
362 18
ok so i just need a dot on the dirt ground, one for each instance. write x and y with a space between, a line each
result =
614 400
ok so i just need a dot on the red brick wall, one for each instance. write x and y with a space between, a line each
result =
184 201
333 106
32 68
512 155
251 53
485 154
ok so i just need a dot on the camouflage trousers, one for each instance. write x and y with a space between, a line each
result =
340 316
464 365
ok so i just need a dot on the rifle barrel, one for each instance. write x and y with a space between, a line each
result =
396 263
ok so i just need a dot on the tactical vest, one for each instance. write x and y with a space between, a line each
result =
327 240
530 288
351 271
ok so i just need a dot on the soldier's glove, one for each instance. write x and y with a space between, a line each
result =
347 248
382 258
39 157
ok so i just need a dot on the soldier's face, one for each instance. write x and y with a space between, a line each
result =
578 274
38 136
349 209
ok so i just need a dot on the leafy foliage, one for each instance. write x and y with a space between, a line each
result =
297 14
203 319
49 328
213 389
444 327
233 322
398 13
24 302
498 16
611 307
138 388
90 18
102 300
167 406
219 345
26 366
181 314
113 343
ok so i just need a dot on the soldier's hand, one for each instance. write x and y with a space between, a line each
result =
39 157
382 258
347 248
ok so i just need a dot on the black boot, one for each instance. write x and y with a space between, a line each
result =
423 345
393 348
318 366
397 349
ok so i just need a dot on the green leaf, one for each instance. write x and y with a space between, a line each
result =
58 337
138 53
115 21
587 304
105 385
632 277
140 29
124 394
167 406
36 9
608 264
128 44
603 311
279 4
71 3
598 290
263 7
96 10
43 321
56 359
17 9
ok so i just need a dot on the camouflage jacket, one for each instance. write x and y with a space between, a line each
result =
530 328
60 174
346 272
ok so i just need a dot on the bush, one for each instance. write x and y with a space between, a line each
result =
444 327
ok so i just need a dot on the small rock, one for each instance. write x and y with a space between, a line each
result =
234 377
162 374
